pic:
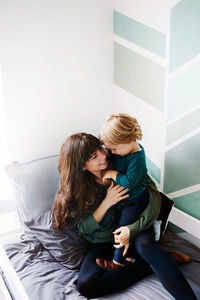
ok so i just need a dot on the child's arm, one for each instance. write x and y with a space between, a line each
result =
134 173
110 174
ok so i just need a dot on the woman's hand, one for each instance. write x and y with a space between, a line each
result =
121 237
115 194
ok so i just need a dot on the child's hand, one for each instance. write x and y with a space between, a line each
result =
110 174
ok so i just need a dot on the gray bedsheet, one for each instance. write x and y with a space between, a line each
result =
45 278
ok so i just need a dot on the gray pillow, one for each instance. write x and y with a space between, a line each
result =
35 184
66 246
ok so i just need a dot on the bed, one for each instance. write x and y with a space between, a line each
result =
47 262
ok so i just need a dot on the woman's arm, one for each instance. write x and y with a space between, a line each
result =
113 196
91 223
122 237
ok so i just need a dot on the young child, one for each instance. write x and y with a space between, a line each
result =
120 134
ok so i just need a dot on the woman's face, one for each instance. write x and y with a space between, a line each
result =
97 162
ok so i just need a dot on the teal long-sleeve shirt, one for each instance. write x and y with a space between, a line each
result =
132 171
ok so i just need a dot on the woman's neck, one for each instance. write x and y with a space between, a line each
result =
99 175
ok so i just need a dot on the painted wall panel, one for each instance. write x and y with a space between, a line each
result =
189 203
139 76
182 165
153 13
185 33
177 165
139 34
184 91
183 126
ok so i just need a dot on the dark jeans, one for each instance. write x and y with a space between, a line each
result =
164 266
128 212
95 282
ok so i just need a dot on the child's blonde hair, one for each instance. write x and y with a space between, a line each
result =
120 129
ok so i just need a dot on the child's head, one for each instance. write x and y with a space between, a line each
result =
120 129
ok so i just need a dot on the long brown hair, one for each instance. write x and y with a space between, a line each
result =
77 188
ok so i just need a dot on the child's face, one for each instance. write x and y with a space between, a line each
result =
119 149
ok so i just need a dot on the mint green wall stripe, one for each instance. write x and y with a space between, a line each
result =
189 203
183 126
153 170
139 75
184 91
182 165
184 36
140 34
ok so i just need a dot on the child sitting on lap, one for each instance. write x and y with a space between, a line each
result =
120 134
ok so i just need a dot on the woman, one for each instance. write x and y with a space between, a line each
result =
84 200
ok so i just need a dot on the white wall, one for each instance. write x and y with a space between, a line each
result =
57 60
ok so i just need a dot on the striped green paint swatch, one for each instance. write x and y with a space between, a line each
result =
139 34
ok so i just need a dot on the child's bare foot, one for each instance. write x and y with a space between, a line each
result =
129 262
109 265
129 259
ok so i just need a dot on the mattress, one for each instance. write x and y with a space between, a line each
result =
44 277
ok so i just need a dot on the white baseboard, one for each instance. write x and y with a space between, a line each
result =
185 221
